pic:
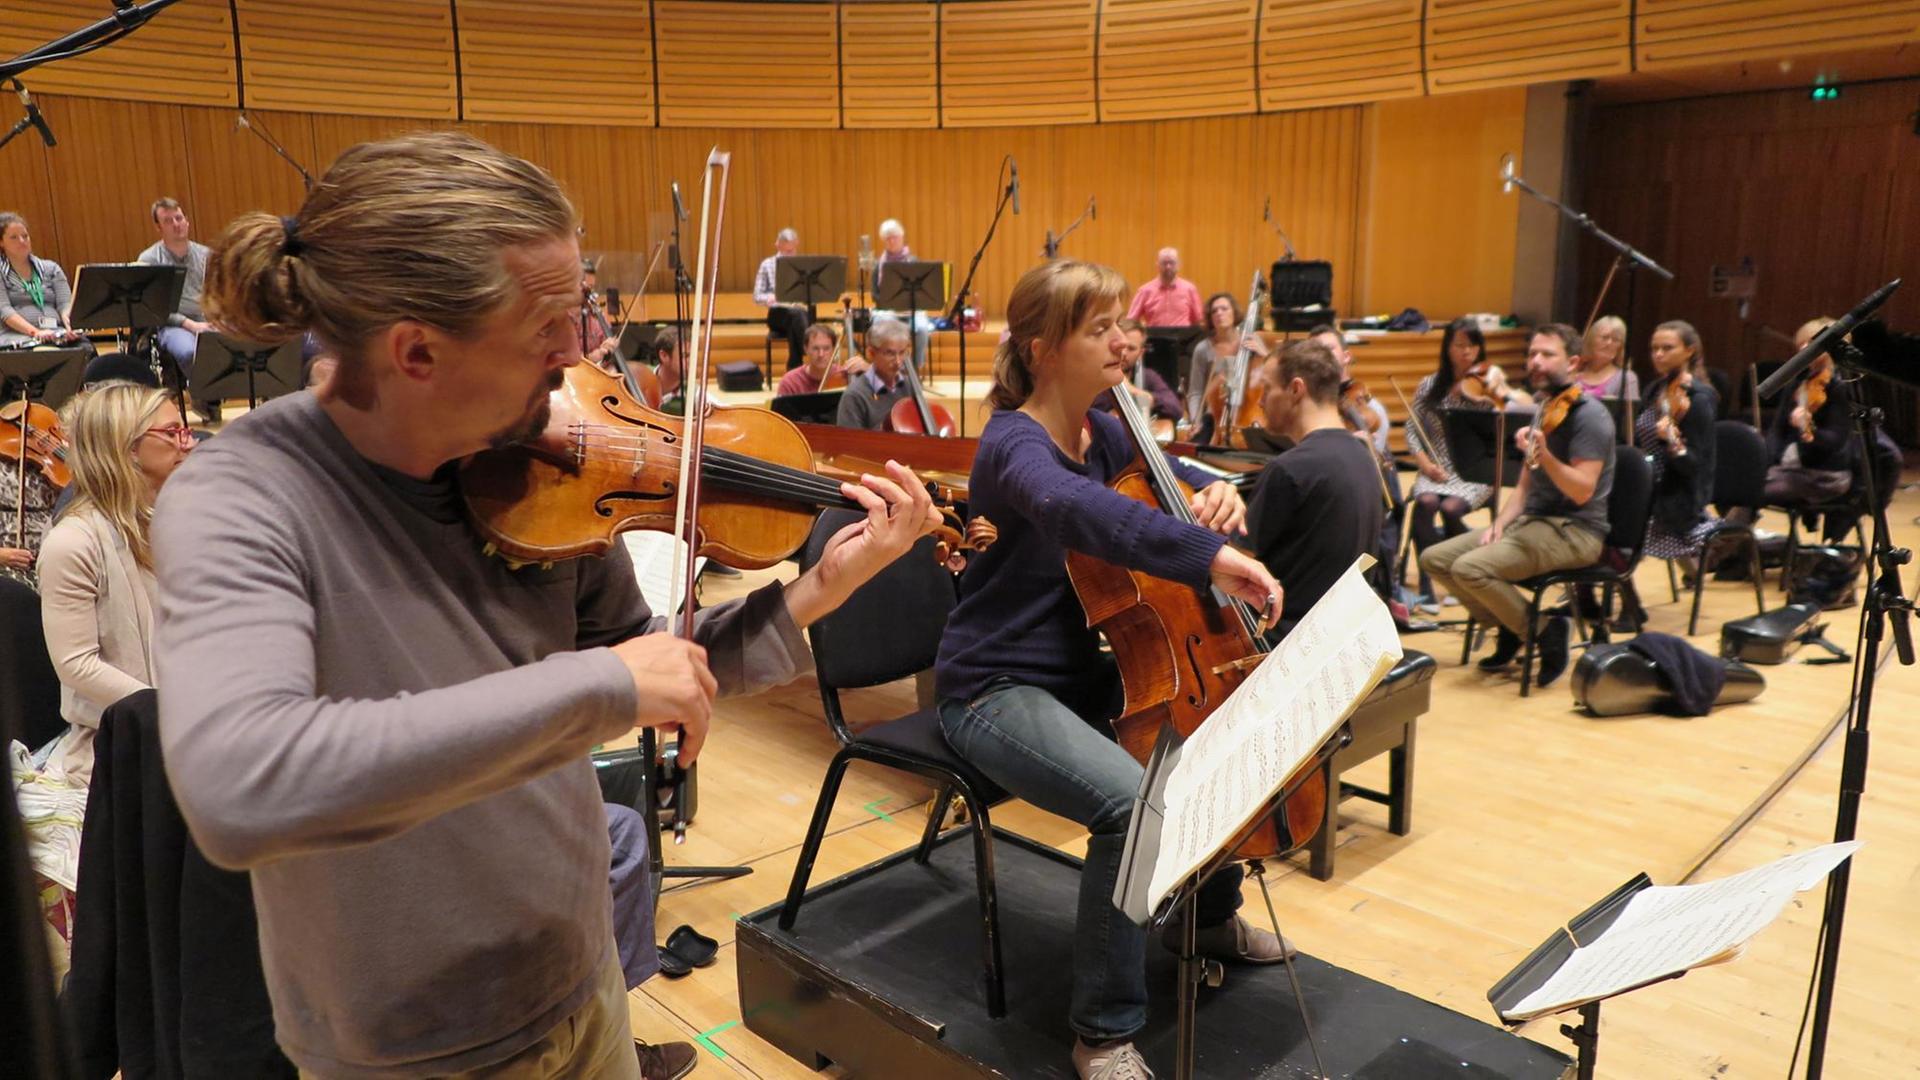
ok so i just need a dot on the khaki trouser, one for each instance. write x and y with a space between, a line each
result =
1480 575
595 1041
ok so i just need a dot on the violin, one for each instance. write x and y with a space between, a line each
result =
1485 383
1549 415
1228 402
1811 394
1675 400
1357 414
1181 650
41 440
914 414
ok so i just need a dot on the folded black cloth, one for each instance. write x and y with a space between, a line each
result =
1693 678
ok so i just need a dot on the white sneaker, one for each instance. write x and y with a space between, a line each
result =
1449 601
1117 1062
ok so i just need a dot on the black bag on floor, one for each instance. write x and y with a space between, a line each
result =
1771 637
1825 576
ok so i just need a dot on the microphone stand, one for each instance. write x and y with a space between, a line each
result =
265 136
126 18
1054 242
1625 254
966 286
25 123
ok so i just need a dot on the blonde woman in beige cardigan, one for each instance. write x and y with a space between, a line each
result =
96 572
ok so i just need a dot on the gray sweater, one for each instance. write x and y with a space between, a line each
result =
390 730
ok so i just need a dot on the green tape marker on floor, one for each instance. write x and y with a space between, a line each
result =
705 1038
873 808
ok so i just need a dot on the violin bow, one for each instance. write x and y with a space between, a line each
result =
693 378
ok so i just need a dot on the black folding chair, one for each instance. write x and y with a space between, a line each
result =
887 630
1739 483
29 687
1628 506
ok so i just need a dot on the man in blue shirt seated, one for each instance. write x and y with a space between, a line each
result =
871 394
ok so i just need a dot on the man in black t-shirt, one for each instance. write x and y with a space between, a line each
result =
1318 506
1556 519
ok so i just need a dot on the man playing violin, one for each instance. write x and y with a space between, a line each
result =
387 726
1556 519
1020 676
871 394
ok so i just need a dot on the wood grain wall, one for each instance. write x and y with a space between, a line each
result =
1397 202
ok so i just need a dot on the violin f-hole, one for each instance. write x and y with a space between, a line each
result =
1197 672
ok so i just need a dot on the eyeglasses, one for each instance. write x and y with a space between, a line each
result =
181 434
879 351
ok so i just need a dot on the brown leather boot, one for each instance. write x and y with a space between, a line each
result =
666 1061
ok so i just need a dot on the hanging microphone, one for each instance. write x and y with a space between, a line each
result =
33 114
1093 209
1266 212
1016 182
240 122
1506 174
1825 339
679 208
866 251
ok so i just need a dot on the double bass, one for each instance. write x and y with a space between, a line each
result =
1229 400
914 414
1181 650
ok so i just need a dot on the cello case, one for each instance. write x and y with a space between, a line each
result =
1614 680
1771 637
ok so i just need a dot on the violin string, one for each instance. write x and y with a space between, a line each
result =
764 477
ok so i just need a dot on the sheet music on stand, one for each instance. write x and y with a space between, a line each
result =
1201 793
656 562
1644 933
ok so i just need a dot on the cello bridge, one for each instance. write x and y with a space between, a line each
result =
1245 663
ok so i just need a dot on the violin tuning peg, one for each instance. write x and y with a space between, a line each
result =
490 550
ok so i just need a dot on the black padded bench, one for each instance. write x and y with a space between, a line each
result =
1383 723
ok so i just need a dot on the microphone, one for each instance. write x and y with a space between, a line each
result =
1016 182
1825 340
679 208
33 114
1093 209
1506 174
241 123
1266 212
866 252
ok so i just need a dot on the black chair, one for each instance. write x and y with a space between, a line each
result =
887 630
29 687
1739 483
1852 507
1628 506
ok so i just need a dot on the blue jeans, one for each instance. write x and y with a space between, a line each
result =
1025 740
178 344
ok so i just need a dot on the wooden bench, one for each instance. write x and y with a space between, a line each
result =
1384 723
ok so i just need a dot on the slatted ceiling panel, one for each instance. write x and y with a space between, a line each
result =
1164 58
889 65
195 38
1339 52
747 65
1013 62
1477 44
502 78
360 57
1682 33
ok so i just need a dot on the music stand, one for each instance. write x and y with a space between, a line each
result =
132 296
225 367
807 280
1170 352
1480 442
46 376
912 287
820 408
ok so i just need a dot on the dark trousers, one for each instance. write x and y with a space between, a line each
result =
790 322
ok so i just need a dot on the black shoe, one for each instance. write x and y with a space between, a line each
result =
1628 623
1505 648
666 1061
1551 648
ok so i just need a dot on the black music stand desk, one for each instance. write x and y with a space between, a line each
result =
225 367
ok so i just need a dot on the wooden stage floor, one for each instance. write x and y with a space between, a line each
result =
1525 812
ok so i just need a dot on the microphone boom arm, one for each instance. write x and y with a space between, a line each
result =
1053 242
1627 251
266 137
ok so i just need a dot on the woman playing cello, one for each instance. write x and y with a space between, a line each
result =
1019 668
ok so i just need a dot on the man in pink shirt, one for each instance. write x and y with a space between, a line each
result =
1168 300
806 379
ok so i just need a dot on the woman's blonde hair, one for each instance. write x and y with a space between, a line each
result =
103 423
409 228
1048 304
1610 323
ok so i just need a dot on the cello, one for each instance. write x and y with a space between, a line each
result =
1228 401
914 414
1181 650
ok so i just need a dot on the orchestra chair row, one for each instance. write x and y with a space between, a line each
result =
1628 507
890 629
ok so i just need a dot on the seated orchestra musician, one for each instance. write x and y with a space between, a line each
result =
1367 417
871 394
670 366
1605 371
1223 340
1144 383
822 341
596 345
430 881
24 526
1020 678
180 338
1811 439
1317 506
1680 450
1555 520
34 294
786 320
1168 299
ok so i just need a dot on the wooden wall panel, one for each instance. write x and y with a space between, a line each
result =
1339 52
122 155
230 172
1475 44
358 57
1682 33
748 65
889 65
502 79
1011 62
195 37
1438 233
1166 58
1712 180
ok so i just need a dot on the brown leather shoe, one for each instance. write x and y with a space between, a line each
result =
1240 941
666 1061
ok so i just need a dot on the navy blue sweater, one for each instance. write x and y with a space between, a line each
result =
1018 615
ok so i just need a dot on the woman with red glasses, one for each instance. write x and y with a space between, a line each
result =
96 571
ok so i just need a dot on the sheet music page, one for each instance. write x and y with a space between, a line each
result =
657 562
1274 721
1669 929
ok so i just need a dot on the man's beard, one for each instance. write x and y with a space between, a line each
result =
534 420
